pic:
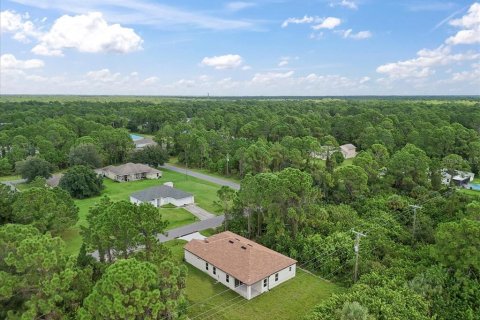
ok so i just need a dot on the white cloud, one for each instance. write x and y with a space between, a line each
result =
470 24
361 35
103 75
364 80
284 61
143 12
344 3
304 20
269 77
246 67
20 26
470 75
185 83
150 80
87 33
8 61
422 66
426 62
239 5
328 23
228 61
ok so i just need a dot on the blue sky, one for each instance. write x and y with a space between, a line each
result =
271 47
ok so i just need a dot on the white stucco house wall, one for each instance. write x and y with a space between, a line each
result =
460 178
129 172
242 265
162 195
348 150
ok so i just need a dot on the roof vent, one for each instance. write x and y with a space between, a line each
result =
248 244
244 248
231 241
237 239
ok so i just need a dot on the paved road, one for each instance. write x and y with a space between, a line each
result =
181 231
12 183
191 228
203 176
198 212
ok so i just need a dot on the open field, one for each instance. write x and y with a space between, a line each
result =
290 300
204 192
10 178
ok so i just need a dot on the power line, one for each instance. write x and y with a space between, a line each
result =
415 207
357 244
356 247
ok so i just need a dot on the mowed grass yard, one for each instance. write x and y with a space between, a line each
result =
205 195
292 299
472 192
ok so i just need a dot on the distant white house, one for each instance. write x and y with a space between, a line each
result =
54 180
129 172
242 265
162 195
460 178
348 150
144 142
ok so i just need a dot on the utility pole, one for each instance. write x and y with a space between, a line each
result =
186 163
415 207
356 247
228 159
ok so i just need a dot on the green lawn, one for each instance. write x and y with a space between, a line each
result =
290 300
471 192
9 178
204 192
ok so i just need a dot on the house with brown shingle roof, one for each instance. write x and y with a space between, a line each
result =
129 172
242 265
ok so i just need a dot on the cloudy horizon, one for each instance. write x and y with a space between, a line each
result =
240 48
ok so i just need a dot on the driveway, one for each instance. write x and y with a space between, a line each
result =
195 235
206 177
198 212
191 228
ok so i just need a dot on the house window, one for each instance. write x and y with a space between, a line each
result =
206 265
264 282
276 276
290 269
227 278
214 270
238 283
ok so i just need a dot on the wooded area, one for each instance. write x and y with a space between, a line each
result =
418 262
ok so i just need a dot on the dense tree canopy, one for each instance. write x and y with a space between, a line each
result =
39 280
34 167
298 196
132 289
85 154
47 209
81 182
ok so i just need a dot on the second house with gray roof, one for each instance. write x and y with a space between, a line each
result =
161 195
